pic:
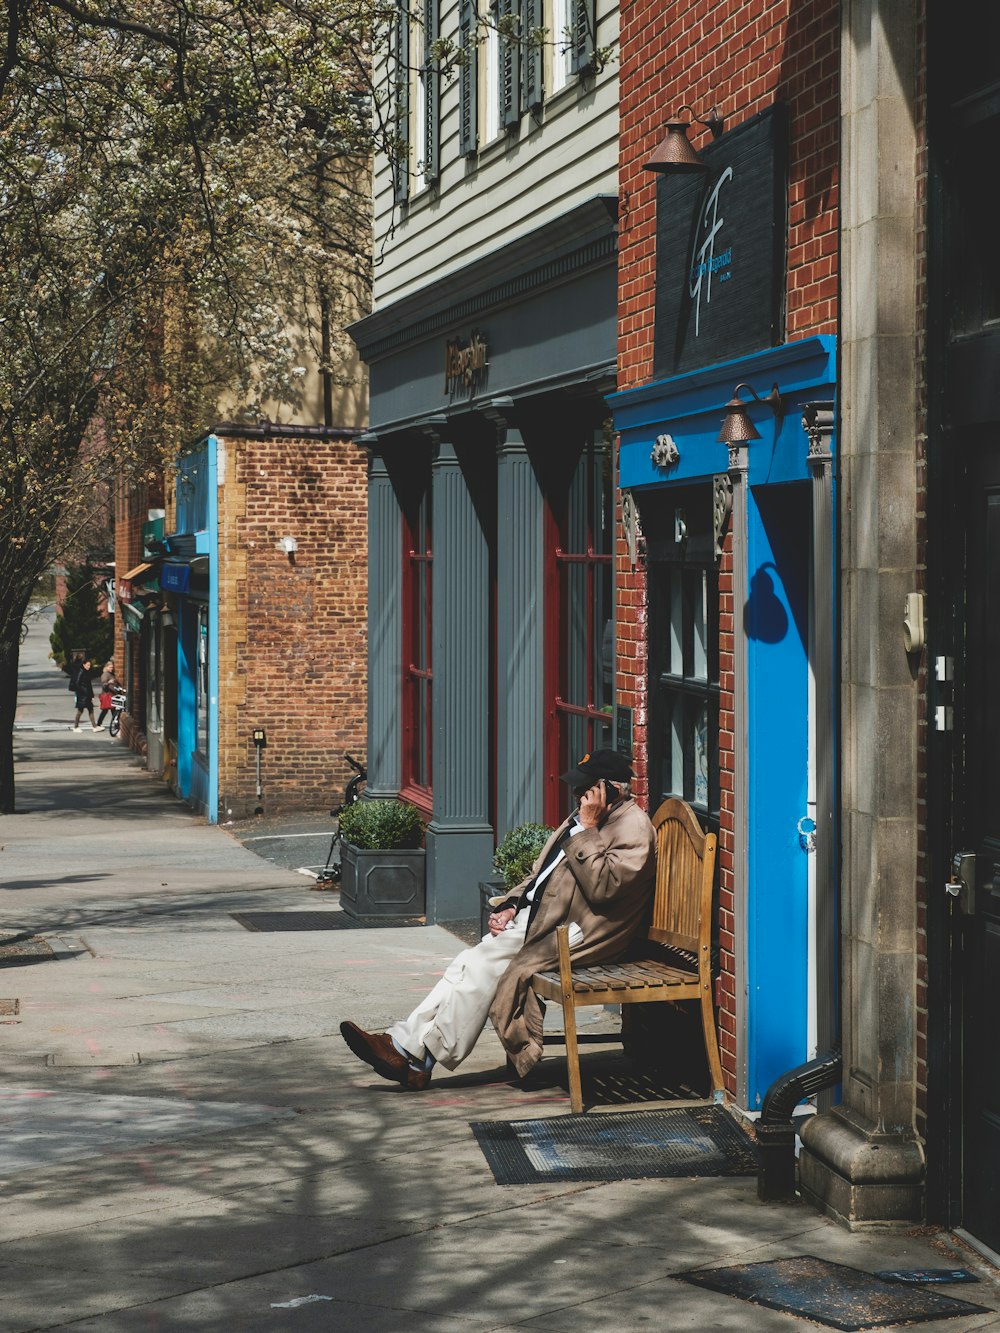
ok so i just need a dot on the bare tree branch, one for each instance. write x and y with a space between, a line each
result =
114 23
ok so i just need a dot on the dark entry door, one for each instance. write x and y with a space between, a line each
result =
964 366
978 808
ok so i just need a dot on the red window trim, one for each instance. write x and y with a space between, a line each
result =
416 565
555 649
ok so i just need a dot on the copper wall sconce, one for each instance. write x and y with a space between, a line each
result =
675 154
737 428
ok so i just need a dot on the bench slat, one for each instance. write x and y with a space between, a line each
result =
637 972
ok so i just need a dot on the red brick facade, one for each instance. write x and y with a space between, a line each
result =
292 632
292 629
740 58
132 506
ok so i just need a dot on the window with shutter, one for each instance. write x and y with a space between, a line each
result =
562 45
584 26
431 80
468 129
510 64
532 54
491 91
399 73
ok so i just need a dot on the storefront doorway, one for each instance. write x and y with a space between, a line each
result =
964 628
976 911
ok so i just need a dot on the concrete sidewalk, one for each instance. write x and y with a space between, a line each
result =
187 1143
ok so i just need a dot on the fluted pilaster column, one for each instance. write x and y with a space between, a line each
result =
738 476
520 632
460 836
818 421
385 591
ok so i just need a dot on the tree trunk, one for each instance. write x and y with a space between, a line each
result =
10 652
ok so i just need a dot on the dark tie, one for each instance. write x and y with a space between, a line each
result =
554 851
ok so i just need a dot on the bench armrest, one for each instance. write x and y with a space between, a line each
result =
565 965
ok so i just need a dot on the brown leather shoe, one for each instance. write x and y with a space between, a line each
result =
417 1079
377 1050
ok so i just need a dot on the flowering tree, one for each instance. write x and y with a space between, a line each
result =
184 206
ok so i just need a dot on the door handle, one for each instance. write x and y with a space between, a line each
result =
962 885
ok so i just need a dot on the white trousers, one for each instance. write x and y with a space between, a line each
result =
449 1021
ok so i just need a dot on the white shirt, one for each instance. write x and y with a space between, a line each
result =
575 828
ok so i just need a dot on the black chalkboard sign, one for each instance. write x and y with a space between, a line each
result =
720 249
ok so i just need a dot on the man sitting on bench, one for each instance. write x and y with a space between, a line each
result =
595 874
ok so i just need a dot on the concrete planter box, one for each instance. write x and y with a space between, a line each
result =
382 883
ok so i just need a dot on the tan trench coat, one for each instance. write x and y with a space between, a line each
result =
604 884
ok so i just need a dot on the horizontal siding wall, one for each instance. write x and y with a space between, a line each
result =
520 181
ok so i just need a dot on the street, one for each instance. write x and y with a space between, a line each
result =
188 1144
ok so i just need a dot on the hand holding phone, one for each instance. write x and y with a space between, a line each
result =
595 803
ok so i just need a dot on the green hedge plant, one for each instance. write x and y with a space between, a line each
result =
80 624
382 826
518 851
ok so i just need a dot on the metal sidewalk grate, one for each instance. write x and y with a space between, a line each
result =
831 1294
19 948
682 1141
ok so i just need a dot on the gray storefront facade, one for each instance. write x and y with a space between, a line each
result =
490 604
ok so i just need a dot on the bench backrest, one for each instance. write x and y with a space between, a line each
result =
685 867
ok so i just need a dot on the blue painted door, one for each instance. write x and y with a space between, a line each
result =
776 624
187 666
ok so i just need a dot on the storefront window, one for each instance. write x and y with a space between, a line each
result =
581 615
201 678
417 674
684 662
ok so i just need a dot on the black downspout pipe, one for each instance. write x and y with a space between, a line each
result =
775 1131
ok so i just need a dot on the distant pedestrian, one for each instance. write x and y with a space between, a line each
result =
85 696
109 683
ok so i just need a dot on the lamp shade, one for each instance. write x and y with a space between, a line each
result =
675 153
737 428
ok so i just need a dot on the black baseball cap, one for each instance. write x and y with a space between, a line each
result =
606 765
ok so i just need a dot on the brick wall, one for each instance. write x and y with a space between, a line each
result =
741 58
132 503
292 632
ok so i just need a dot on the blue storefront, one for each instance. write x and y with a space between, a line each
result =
727 484
189 579
776 495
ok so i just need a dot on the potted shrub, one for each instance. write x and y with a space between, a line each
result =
512 861
382 860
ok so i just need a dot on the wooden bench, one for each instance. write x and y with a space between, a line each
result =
678 965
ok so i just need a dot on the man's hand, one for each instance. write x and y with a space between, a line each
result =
498 921
594 806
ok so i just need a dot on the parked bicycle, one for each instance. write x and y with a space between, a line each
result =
331 872
119 698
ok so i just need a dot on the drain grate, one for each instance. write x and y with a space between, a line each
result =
19 948
10 1008
333 920
652 1145
830 1294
